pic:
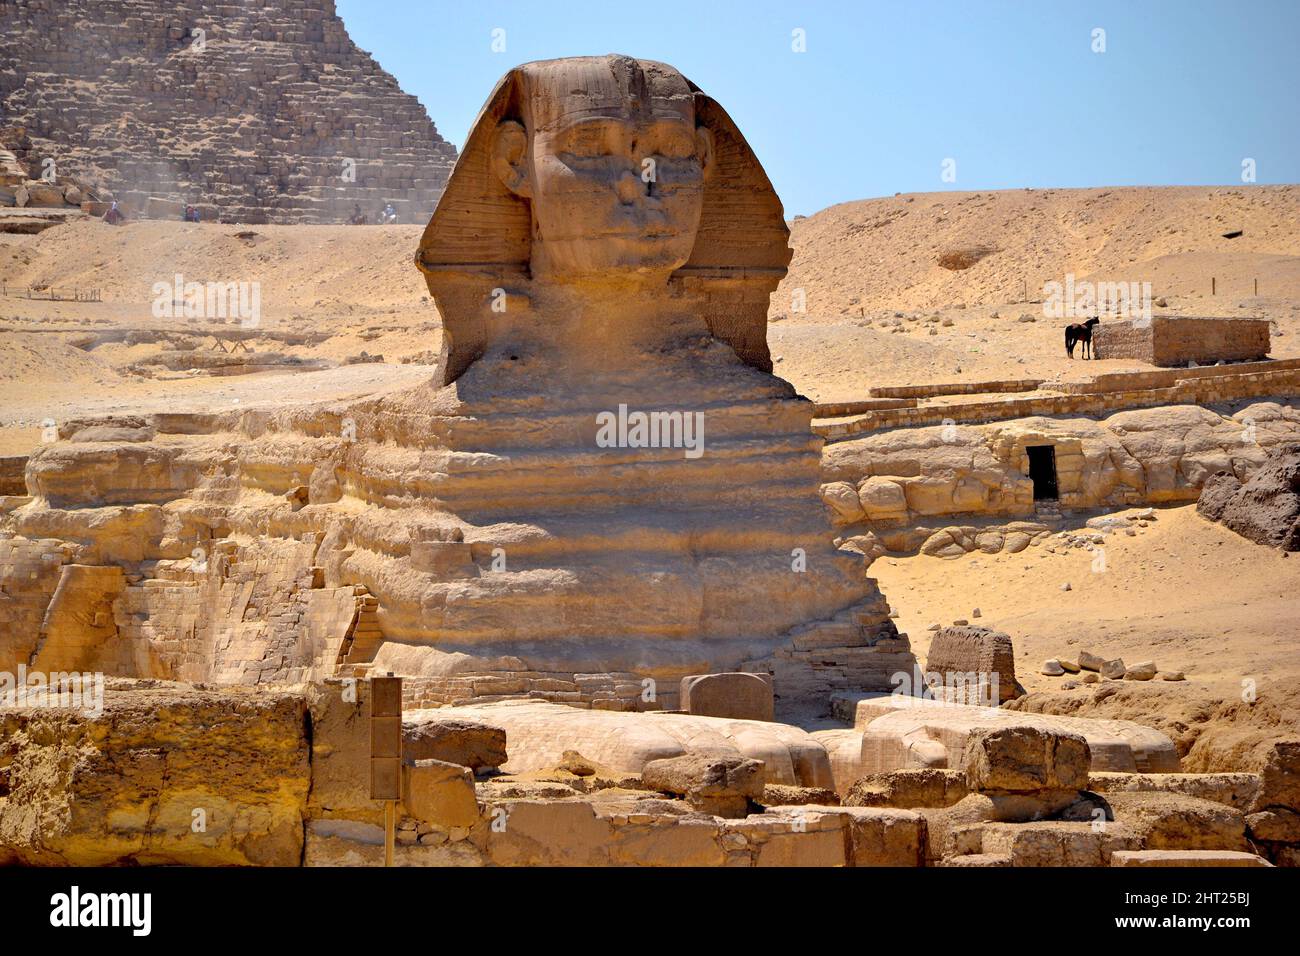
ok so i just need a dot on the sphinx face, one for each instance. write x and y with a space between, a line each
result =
614 167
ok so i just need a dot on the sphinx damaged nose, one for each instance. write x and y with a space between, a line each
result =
630 188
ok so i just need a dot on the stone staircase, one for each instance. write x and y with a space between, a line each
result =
1048 511
857 649
364 636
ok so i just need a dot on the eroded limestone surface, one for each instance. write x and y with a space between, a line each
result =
165 775
895 483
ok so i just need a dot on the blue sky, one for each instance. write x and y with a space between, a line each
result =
885 92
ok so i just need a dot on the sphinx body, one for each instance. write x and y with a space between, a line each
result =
603 478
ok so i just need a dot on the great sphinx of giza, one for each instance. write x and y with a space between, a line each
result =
604 483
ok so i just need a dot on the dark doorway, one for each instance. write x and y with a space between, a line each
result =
1042 470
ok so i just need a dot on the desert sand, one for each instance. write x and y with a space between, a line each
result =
1184 592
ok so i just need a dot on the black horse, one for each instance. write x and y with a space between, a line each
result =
1075 334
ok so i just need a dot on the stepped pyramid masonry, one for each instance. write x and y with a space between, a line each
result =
256 112
476 534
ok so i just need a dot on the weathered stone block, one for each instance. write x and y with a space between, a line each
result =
1026 759
129 785
1169 821
965 650
549 833
454 740
909 788
736 695
723 786
440 793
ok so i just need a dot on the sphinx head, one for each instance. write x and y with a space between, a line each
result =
610 158
600 173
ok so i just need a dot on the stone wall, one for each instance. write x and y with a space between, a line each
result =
1130 390
897 477
956 388
1129 340
1168 340
259 118
168 774
31 570
1108 382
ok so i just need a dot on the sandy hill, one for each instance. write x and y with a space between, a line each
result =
930 250
338 269
852 260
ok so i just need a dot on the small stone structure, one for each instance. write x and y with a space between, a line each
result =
1169 340
975 650
737 695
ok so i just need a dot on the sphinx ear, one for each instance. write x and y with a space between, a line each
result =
704 147
509 157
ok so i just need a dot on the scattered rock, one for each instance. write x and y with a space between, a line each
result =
1052 668
720 785
1089 661
1113 670
1143 670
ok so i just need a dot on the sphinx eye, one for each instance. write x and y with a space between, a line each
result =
588 141
677 146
